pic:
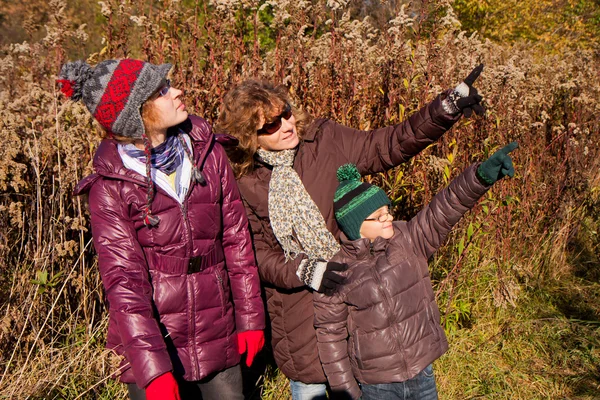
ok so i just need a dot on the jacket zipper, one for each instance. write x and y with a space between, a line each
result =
388 304
222 293
188 229
192 328
191 300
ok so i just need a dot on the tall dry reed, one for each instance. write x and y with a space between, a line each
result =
359 71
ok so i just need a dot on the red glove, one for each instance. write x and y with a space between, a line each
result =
253 340
163 388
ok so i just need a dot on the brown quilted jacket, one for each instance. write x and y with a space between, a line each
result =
325 146
384 325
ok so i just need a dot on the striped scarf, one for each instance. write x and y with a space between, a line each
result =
165 157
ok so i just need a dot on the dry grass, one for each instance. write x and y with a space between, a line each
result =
518 296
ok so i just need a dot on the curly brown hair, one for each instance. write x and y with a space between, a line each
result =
241 113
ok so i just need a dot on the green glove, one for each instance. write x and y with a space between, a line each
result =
497 166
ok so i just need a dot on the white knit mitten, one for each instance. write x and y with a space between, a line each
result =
311 272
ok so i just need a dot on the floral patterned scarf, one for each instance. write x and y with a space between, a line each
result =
296 221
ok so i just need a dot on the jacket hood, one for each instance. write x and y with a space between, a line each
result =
107 163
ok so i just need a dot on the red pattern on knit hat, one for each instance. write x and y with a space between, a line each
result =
66 86
117 92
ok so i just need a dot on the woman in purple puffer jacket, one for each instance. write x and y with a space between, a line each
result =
174 251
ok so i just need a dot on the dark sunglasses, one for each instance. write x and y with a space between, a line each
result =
274 126
165 89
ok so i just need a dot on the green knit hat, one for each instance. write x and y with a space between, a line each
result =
355 200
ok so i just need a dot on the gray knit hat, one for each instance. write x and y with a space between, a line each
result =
114 91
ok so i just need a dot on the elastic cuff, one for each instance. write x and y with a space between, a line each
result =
320 268
449 103
310 272
483 179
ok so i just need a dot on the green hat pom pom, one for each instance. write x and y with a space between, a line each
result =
348 172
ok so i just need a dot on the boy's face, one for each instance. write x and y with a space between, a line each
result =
379 223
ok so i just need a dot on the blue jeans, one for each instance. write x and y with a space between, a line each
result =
421 387
308 391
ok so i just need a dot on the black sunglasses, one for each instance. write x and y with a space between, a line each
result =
274 126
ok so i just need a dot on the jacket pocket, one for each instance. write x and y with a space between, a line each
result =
433 321
356 351
222 293
169 293
428 371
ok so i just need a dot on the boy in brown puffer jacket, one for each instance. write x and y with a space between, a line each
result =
382 328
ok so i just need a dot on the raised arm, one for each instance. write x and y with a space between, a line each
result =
331 316
430 227
381 149
125 276
237 246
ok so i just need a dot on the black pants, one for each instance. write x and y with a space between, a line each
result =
224 385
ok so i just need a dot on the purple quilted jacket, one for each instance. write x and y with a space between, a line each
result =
162 317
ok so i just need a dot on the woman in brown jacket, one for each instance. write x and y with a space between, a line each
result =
382 327
285 164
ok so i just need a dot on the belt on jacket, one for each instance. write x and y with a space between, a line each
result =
202 262
196 264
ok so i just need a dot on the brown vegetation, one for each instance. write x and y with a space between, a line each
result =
518 281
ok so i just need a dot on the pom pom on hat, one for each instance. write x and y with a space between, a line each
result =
348 172
72 78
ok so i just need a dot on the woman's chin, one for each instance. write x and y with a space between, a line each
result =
291 142
182 115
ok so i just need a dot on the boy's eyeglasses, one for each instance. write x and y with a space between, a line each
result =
381 218
274 126
165 89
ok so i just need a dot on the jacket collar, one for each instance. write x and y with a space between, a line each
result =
312 129
107 161
362 248
202 136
